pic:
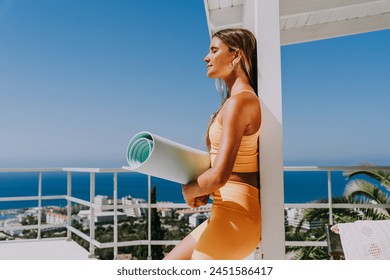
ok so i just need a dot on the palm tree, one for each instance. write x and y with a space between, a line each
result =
357 191
310 252
319 234
368 193
369 190
382 176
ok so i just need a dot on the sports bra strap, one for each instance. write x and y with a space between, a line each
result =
223 106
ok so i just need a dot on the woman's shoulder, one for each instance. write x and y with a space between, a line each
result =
240 106
243 98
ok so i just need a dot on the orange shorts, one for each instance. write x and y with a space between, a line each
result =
233 230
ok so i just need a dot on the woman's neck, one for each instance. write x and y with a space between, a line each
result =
239 84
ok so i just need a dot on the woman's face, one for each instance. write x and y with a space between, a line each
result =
219 60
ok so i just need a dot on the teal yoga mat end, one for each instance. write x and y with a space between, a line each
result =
159 157
139 149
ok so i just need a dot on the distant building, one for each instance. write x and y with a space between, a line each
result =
101 200
294 217
164 211
132 207
196 219
100 216
187 212
33 212
53 218
13 223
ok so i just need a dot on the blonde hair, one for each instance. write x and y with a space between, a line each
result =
244 41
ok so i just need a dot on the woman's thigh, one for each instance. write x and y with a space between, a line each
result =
183 250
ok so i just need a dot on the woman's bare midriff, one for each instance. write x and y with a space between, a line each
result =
251 178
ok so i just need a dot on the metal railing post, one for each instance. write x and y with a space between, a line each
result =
149 218
115 197
69 205
92 216
39 204
330 197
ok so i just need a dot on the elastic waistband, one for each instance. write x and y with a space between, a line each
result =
237 196
251 189
238 192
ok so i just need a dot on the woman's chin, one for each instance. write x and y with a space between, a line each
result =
212 75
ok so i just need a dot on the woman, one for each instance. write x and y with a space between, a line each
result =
234 228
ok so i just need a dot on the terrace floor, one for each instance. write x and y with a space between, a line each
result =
58 249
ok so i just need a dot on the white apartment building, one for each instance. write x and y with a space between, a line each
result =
132 207
13 223
165 211
295 215
196 219
53 218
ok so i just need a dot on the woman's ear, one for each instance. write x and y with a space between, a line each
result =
236 60
237 56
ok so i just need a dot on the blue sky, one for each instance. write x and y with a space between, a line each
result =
79 78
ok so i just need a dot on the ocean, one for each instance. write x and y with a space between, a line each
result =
300 187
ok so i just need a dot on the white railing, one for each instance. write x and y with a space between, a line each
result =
94 243
38 197
330 205
115 207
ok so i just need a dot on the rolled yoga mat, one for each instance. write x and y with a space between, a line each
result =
159 157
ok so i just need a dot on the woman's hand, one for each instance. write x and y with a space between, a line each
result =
190 199
197 201
201 200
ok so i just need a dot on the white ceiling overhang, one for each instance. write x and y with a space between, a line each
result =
306 20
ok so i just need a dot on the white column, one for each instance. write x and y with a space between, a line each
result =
266 29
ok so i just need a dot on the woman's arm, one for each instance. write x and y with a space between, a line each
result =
240 116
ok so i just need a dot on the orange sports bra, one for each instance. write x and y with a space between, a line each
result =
247 156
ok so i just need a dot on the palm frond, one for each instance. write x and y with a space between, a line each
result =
364 192
322 214
382 176
362 187
307 252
